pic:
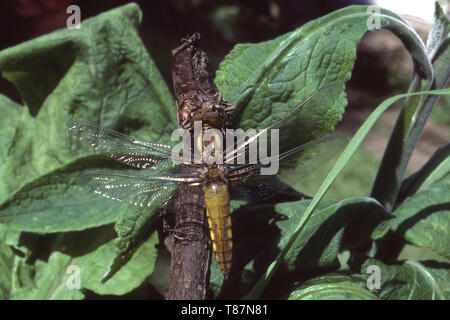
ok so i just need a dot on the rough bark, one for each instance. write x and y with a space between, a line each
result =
190 248
191 254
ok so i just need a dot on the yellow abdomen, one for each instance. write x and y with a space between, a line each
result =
217 200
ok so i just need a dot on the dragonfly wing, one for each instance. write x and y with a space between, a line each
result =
292 166
297 163
138 190
129 151
261 189
284 130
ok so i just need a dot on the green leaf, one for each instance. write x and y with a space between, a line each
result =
132 274
36 208
100 72
54 202
437 167
353 220
413 116
9 236
412 252
411 280
441 170
424 219
11 118
440 27
86 254
132 228
319 243
9 239
6 268
44 280
337 168
267 79
333 287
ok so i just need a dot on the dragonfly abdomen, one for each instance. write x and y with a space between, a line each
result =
217 200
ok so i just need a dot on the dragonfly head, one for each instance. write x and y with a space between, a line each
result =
209 118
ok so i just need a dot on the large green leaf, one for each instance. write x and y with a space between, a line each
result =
411 280
424 219
55 203
333 287
87 254
267 79
100 72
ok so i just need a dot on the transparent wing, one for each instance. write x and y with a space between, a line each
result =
129 151
297 163
138 190
260 188
293 166
286 128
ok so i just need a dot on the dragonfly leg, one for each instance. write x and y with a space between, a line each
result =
185 238
185 123
186 231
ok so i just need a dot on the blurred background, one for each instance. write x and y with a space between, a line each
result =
383 66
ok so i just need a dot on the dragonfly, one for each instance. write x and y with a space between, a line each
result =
159 175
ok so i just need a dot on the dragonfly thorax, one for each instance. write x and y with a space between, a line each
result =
214 172
211 114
